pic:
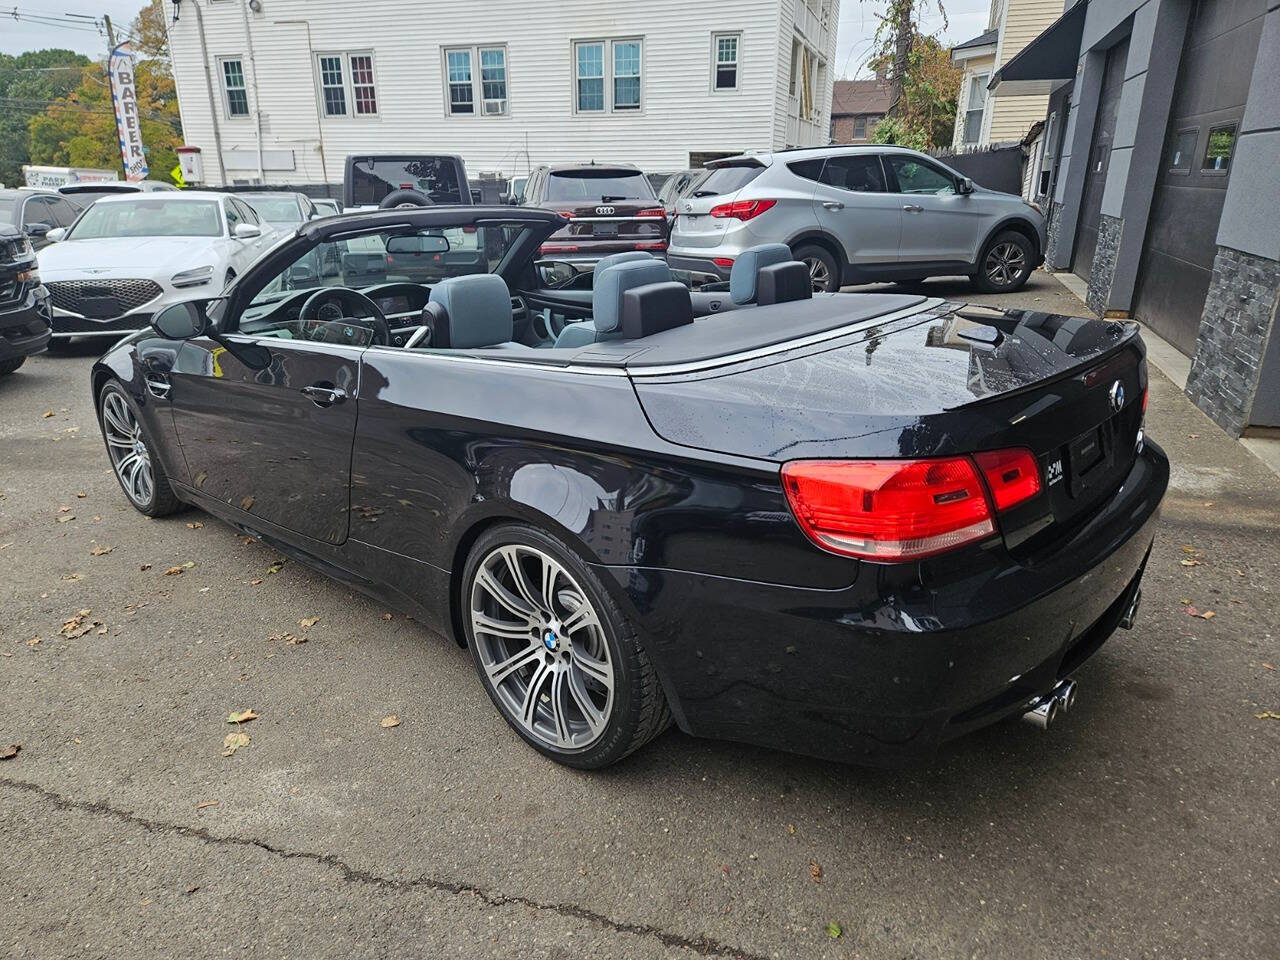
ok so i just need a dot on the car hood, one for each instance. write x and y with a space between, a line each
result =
69 259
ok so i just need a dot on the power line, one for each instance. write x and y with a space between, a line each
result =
50 22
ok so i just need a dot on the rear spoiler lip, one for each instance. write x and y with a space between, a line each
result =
1134 338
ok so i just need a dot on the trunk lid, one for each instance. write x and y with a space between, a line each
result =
727 178
956 380
616 220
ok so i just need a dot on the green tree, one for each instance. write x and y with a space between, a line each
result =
925 84
30 82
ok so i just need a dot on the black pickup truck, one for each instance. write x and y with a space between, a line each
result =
24 303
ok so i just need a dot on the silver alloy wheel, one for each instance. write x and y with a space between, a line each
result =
819 276
542 646
1005 263
129 452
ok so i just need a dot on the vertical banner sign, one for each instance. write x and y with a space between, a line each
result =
125 100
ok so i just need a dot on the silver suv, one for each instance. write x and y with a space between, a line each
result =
857 215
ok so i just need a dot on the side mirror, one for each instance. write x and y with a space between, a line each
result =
965 186
555 273
57 233
38 229
247 231
181 321
506 198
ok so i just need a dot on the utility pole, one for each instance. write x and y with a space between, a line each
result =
903 36
111 34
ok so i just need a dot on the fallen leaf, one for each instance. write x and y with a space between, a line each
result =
33 642
248 540
255 582
386 616
79 625
233 742
102 630
188 565
71 576
1208 615
1189 562
145 567
293 641
64 509
241 716
276 567
834 930
207 803
306 623
246 503
201 477
196 525
791 829
1267 666
1268 715
815 871
192 889
9 751
1193 436
100 551
81 496
48 414
65 517
173 572
391 721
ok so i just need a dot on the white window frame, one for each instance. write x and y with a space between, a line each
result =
348 84
736 37
608 77
479 102
226 91
982 122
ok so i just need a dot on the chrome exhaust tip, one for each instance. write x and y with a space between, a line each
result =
1042 712
1066 694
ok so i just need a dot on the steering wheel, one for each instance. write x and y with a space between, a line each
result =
342 299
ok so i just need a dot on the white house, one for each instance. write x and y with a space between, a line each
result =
281 91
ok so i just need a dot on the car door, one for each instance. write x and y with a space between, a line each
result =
240 251
37 221
267 421
254 247
851 201
939 224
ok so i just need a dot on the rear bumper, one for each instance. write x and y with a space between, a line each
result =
586 253
24 326
831 674
702 268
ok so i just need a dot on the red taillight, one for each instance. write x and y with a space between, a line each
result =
558 248
725 262
742 209
1144 400
651 245
1011 475
655 212
889 510
898 510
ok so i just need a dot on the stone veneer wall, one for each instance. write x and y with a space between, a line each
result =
1110 230
1052 231
1239 316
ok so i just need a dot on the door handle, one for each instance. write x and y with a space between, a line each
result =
913 208
833 204
323 396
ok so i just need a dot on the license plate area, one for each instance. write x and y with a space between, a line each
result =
100 308
605 230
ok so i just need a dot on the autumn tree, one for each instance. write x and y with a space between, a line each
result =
28 84
924 83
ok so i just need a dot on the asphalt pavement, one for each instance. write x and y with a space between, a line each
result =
1141 825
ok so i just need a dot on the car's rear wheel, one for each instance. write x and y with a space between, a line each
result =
1005 265
9 366
556 655
824 274
140 473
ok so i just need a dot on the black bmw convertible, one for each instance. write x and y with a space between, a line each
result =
848 525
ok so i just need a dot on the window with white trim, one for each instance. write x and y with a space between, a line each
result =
347 84
608 75
465 85
235 99
724 48
975 104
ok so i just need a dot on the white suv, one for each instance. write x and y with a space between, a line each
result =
857 215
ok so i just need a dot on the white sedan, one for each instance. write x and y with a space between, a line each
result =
128 256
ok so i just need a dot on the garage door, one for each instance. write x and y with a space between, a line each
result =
1208 103
1095 177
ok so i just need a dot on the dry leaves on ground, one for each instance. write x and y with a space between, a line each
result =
9 751
391 721
206 804
1194 612
306 623
1268 715
194 525
241 716
386 616
246 503
80 624
276 567
48 414
100 551
257 581
834 930
815 871
289 638
233 742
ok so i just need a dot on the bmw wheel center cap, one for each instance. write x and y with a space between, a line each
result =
550 640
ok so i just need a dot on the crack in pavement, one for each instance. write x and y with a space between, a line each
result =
705 946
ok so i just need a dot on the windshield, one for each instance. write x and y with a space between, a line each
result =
6 209
373 179
397 255
283 209
721 180
599 185
149 218
86 197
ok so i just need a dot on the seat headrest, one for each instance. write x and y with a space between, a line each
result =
742 277
655 307
783 282
613 259
479 310
611 283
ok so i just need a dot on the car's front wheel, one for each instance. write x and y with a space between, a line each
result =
9 366
824 273
132 454
1005 265
556 655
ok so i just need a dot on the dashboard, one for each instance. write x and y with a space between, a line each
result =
401 303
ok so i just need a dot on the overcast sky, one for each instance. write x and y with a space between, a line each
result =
968 18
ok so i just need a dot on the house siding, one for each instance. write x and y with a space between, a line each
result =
1011 117
680 113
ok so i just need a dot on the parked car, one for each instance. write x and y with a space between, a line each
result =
283 210
857 215
24 303
850 526
676 186
128 256
83 194
611 209
404 180
36 213
326 206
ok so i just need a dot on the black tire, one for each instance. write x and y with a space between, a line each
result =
59 345
405 198
161 501
639 710
1005 265
12 364
823 269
